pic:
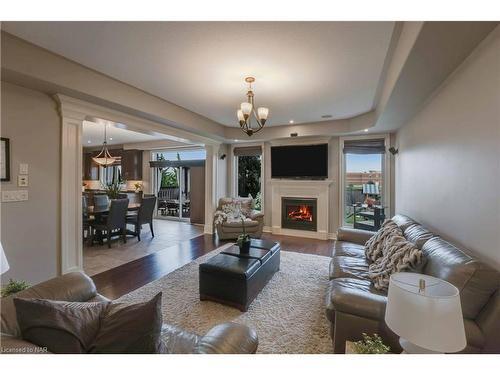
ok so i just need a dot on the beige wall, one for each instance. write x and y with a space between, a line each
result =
447 170
30 229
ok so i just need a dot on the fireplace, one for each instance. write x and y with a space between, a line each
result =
299 213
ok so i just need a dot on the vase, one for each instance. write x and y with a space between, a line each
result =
245 247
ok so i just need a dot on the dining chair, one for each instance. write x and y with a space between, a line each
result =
144 216
115 221
101 200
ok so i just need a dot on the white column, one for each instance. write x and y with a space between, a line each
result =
71 191
211 175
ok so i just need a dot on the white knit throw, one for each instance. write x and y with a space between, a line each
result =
397 255
374 246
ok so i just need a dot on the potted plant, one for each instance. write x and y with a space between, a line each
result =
13 287
244 240
370 345
113 189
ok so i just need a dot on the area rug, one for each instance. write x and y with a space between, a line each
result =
288 314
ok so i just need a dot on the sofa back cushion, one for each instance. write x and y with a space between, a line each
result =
475 281
417 234
403 221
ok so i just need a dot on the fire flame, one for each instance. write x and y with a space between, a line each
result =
302 213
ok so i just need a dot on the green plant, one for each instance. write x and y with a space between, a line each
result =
244 237
14 286
371 345
113 189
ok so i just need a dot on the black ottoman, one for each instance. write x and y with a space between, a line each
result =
235 279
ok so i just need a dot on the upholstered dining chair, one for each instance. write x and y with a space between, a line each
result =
101 200
87 219
143 216
115 221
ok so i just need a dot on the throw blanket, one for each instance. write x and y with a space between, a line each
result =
398 255
374 246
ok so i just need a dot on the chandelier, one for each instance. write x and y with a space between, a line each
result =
247 109
104 158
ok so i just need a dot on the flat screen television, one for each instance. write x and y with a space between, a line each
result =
300 161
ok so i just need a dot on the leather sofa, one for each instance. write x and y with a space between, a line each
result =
354 306
253 227
226 338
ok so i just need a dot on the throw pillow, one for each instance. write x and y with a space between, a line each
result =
398 255
375 245
61 327
131 329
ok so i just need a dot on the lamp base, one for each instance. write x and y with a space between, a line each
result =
411 348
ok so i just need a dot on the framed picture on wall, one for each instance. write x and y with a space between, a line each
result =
5 159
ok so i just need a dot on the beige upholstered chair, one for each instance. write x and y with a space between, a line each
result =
253 227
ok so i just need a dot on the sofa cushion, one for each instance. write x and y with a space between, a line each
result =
344 266
348 249
418 235
59 326
178 341
128 329
475 281
355 296
236 227
403 221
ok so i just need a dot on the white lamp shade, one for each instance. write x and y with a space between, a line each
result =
4 265
239 113
262 112
246 108
432 318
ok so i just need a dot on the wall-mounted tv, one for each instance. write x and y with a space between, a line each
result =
300 161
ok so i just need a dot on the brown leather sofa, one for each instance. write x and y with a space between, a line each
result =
354 306
253 227
226 338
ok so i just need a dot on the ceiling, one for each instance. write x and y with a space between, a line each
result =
93 134
303 70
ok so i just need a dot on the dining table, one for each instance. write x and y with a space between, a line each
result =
100 210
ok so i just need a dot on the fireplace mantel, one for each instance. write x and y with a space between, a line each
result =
318 189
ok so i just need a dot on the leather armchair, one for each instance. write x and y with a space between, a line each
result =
225 338
253 227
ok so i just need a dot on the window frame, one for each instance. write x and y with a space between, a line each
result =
234 170
386 173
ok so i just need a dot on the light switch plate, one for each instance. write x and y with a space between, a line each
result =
23 168
22 181
14 195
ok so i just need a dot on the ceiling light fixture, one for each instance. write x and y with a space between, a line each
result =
104 158
246 110
366 130
291 121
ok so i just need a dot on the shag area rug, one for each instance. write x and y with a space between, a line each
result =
288 314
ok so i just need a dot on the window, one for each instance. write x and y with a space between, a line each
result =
249 168
110 175
365 202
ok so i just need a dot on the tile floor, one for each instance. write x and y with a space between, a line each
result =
99 258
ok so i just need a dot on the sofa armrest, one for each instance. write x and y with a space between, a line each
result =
357 236
256 215
228 338
15 345
72 287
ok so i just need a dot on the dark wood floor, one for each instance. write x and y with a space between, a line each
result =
123 279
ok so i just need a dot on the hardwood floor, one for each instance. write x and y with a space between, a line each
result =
123 279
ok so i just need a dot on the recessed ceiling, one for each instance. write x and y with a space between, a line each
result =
93 134
304 70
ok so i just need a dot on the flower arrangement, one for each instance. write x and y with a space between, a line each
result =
371 345
138 186
244 240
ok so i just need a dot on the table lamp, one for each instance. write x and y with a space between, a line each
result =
426 314
4 265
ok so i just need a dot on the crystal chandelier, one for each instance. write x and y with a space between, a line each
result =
248 108
104 158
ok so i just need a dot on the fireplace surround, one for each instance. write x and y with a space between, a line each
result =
299 213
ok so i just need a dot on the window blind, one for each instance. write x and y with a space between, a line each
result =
247 151
364 146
